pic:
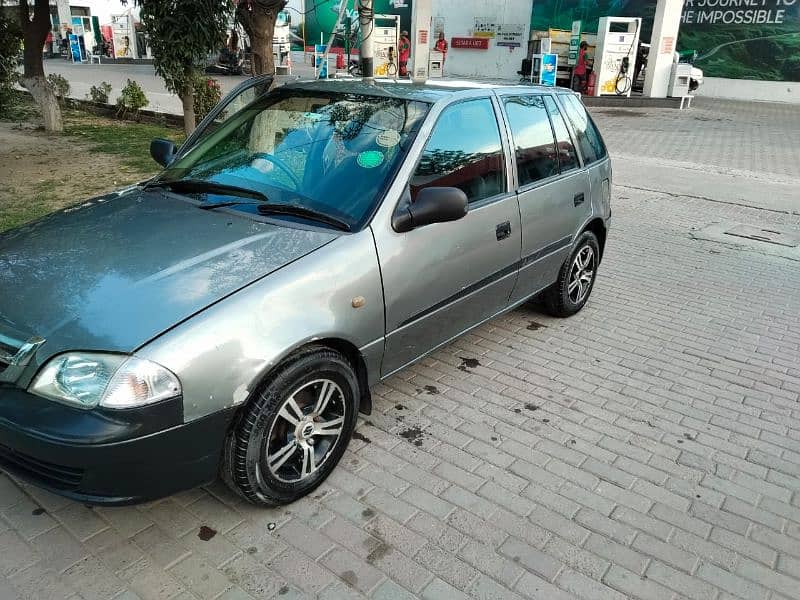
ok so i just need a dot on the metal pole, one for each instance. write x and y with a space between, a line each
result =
366 21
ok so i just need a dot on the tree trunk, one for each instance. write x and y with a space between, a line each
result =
187 99
259 23
34 33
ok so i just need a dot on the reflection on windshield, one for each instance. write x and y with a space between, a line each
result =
330 152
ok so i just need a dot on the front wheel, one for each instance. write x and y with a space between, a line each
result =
575 279
294 430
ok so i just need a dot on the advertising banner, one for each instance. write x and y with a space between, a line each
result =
547 74
739 39
322 14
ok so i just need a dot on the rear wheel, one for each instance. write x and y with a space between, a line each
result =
576 278
294 430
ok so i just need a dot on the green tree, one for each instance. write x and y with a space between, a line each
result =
182 33
34 31
258 19
10 36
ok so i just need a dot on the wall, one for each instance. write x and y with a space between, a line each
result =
748 89
459 21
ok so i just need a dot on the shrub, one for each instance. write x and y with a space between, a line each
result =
100 93
59 85
9 48
207 94
131 99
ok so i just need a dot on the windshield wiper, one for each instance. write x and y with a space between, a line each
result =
211 187
214 205
303 212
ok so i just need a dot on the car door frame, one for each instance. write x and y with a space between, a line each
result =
382 219
265 79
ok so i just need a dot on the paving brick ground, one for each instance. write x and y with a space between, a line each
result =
648 447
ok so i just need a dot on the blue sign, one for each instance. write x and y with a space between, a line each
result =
548 70
75 47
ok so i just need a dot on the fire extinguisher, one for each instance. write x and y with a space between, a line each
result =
339 61
591 81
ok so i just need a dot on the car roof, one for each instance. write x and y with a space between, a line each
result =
431 91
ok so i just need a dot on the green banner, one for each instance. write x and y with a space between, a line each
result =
321 18
740 39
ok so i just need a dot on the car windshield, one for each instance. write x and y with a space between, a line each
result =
329 152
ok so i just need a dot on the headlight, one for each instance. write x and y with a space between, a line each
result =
87 380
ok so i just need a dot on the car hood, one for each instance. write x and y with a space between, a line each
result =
116 271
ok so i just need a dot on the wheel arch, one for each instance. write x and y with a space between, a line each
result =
598 228
344 347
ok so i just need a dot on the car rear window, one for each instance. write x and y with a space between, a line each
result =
589 140
534 146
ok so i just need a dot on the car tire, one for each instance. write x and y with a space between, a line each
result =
285 441
576 278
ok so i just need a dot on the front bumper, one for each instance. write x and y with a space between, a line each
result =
106 457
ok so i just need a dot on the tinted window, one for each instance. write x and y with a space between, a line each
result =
567 156
533 138
464 151
589 140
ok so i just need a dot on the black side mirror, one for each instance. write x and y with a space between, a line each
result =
433 205
163 151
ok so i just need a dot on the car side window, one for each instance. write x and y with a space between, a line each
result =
567 156
532 135
589 140
464 151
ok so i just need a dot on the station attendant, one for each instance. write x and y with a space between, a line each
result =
579 72
404 53
441 46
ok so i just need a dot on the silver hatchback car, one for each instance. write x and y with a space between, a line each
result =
230 315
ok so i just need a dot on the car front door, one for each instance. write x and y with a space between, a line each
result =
439 280
552 187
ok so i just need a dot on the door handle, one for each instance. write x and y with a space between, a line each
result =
578 199
503 230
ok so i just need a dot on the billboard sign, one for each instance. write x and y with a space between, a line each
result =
739 39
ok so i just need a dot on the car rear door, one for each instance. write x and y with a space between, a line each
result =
441 279
552 188
593 152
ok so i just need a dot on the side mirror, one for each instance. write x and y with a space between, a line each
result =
163 151
433 205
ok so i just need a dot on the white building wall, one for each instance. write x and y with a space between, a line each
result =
459 21
748 89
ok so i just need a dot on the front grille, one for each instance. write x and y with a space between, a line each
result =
57 476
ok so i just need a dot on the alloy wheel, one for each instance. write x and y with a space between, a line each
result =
306 430
581 275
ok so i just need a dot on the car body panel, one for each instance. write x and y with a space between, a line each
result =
221 354
69 278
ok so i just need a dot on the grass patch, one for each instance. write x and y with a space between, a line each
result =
129 141
24 207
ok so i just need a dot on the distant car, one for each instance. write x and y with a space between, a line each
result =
230 315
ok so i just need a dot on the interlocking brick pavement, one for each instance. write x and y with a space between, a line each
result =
648 447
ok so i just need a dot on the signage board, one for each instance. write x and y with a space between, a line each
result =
466 43
574 43
549 69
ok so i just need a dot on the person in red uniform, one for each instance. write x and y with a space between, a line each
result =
441 46
404 53
579 72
